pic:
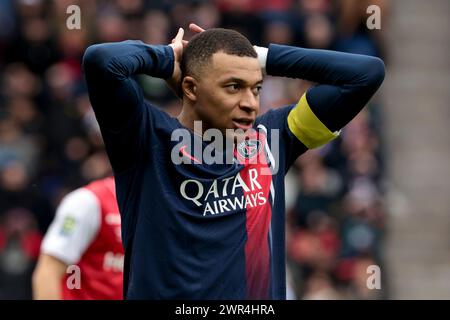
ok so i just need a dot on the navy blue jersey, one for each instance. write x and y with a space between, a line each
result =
205 231
197 230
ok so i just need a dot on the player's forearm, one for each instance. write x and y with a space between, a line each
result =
120 60
324 66
109 67
47 278
115 96
346 81
46 285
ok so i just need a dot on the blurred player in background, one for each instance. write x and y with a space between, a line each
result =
86 233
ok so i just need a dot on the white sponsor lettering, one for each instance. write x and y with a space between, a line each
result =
222 196
112 218
113 262
199 194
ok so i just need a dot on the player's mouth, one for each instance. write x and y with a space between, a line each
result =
243 123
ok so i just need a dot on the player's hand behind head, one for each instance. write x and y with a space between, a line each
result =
195 28
178 44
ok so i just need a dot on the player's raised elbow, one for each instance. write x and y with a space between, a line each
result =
374 72
94 58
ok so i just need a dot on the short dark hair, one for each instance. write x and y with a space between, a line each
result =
203 45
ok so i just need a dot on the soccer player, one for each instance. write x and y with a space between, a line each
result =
200 230
85 233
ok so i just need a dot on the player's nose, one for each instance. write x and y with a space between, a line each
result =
249 101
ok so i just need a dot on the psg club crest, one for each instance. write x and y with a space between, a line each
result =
248 149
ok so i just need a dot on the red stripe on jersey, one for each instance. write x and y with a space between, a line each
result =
258 217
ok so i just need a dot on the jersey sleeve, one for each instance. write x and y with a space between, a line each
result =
75 226
344 84
117 99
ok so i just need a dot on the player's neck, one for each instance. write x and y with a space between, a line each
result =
187 118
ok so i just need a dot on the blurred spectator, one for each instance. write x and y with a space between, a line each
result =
7 26
156 27
17 193
315 6
354 35
25 114
15 145
111 27
318 32
319 286
207 15
35 44
19 249
19 81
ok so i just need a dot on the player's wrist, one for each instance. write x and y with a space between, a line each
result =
262 57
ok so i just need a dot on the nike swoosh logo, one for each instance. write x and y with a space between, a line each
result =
185 153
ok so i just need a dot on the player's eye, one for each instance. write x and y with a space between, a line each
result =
257 90
233 87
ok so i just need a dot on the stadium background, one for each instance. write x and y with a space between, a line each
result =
376 196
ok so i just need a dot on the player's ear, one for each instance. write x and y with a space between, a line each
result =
189 87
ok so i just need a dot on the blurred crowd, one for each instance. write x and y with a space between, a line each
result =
50 142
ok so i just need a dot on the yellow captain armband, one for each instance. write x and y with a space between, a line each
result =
307 127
